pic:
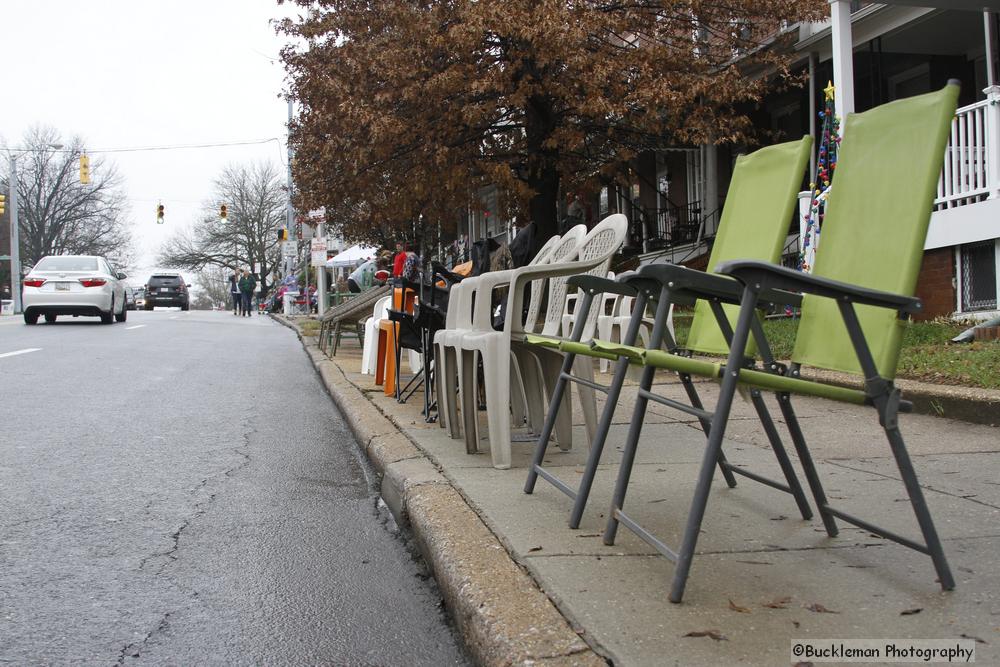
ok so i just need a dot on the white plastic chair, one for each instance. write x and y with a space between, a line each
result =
593 254
458 321
369 355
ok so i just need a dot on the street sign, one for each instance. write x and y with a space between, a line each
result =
288 249
317 248
257 267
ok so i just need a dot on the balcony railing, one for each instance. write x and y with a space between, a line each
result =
971 171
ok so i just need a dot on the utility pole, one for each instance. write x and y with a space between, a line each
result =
289 213
15 243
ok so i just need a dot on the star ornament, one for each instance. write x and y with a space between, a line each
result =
829 90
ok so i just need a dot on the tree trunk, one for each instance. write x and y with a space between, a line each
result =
543 175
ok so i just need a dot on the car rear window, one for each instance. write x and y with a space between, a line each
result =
66 264
164 280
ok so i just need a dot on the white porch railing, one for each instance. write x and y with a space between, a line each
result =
971 171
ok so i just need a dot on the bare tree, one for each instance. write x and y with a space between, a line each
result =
213 283
58 214
255 200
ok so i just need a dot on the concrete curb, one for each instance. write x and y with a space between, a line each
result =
968 404
501 614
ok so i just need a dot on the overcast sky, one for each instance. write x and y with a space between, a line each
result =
131 73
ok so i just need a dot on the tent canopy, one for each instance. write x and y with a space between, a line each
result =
352 256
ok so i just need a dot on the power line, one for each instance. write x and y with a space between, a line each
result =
137 149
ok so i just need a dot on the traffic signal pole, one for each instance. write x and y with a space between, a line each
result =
15 243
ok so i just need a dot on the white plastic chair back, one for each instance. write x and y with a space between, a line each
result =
601 243
567 250
544 255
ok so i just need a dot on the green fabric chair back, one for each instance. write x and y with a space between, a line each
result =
875 225
754 224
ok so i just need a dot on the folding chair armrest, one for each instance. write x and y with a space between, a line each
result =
597 285
773 276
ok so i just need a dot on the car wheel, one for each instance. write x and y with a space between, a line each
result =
31 318
109 317
185 306
149 307
50 318
120 317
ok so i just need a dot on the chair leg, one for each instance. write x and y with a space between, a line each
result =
531 382
449 373
496 373
706 427
584 367
916 494
779 452
518 405
336 338
598 441
628 455
380 354
555 404
552 368
808 467
467 392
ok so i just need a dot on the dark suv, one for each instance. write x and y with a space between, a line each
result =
167 289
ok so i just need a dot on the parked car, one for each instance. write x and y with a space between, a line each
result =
74 285
140 297
167 289
129 298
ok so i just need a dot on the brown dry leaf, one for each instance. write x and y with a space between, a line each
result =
714 634
778 603
911 612
820 609
736 607
535 549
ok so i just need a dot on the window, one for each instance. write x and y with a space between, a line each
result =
979 276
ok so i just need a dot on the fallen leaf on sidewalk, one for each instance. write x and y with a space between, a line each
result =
977 639
911 612
589 535
778 603
736 607
820 609
714 634
535 549
780 517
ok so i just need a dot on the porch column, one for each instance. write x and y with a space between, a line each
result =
993 141
843 56
711 192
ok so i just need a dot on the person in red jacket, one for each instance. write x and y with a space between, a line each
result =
398 260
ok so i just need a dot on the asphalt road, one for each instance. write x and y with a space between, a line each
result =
179 489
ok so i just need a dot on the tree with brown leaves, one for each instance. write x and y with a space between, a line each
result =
408 108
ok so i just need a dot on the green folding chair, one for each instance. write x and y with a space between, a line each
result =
855 305
754 223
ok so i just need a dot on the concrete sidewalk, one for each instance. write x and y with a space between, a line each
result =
763 576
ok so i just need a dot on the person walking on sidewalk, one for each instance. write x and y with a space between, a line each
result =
234 291
247 285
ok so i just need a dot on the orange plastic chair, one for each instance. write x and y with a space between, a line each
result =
385 365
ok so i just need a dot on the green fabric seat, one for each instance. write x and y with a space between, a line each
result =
754 222
854 309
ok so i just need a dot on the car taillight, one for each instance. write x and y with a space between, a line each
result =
34 282
93 282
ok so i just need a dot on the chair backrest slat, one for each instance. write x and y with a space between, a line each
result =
754 224
875 225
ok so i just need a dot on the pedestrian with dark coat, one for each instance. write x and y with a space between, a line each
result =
248 283
234 291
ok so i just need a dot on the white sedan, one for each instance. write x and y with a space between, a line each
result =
74 285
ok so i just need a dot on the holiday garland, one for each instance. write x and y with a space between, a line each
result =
825 167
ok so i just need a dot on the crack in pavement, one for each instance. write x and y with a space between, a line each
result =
134 649
924 486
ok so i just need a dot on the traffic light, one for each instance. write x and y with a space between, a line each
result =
3 204
223 212
84 169
282 234
159 214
